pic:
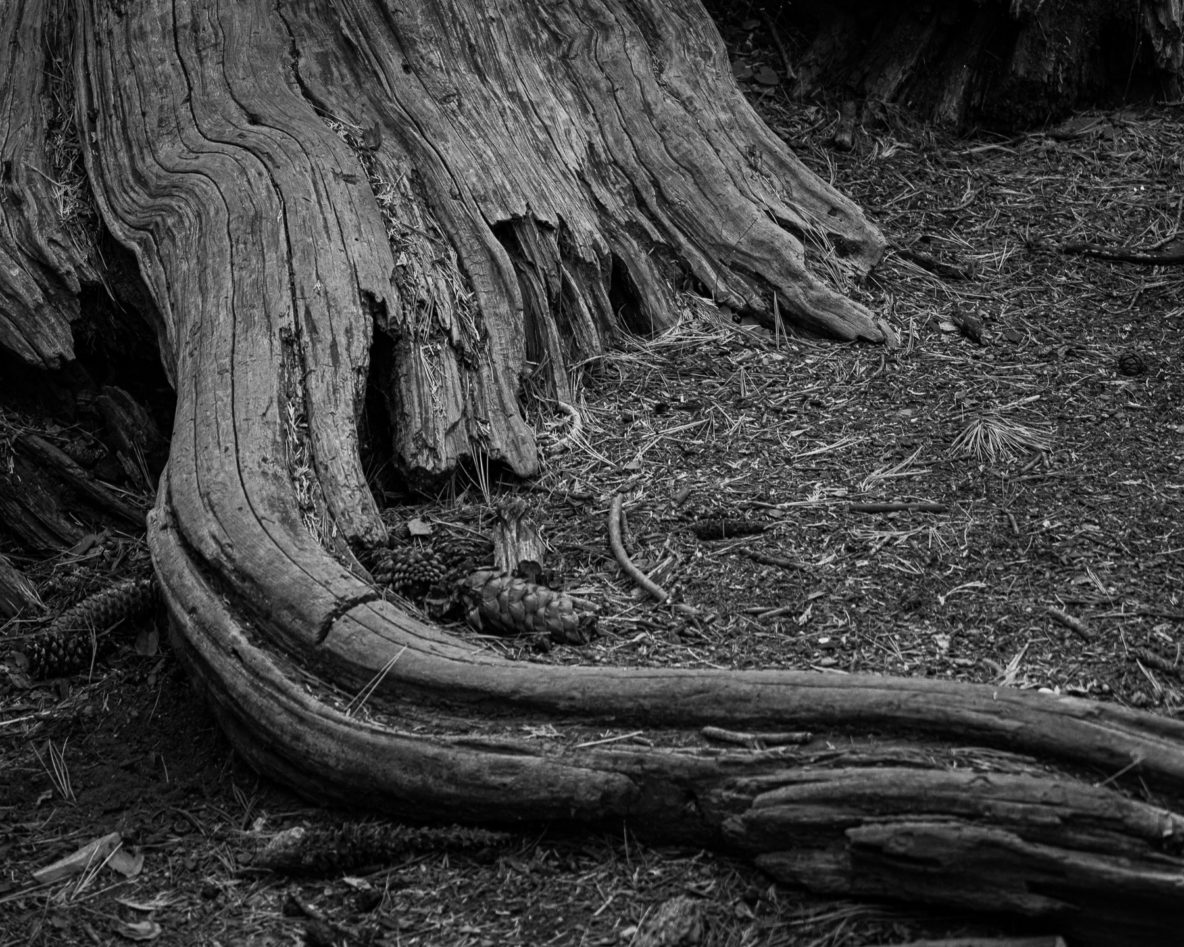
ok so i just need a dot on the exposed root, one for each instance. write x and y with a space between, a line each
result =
614 537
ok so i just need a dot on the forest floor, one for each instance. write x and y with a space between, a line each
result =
1034 410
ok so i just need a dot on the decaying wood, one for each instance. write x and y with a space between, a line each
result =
137 442
55 463
41 262
583 236
1005 62
30 514
1164 24
478 193
517 540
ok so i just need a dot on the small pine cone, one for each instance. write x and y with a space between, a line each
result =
382 567
54 655
1131 363
412 570
503 604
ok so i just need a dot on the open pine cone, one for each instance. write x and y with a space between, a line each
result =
506 605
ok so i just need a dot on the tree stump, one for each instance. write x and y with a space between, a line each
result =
479 194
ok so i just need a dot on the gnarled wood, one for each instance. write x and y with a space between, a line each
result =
972 829
500 188
577 159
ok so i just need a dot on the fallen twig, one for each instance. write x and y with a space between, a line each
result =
775 35
924 507
622 557
1073 624
1153 660
938 267
1125 255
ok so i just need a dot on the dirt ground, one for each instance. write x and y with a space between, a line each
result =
1036 403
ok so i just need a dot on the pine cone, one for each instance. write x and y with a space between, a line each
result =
462 555
132 598
324 850
409 570
1131 363
77 636
53 655
502 604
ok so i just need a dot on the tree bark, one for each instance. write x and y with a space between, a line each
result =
43 242
1007 65
482 194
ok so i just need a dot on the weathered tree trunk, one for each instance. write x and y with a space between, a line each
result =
43 258
478 192
1004 64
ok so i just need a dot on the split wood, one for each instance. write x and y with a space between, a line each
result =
60 463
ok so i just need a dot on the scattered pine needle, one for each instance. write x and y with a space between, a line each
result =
991 437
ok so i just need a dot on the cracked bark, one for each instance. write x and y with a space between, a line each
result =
43 253
482 195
